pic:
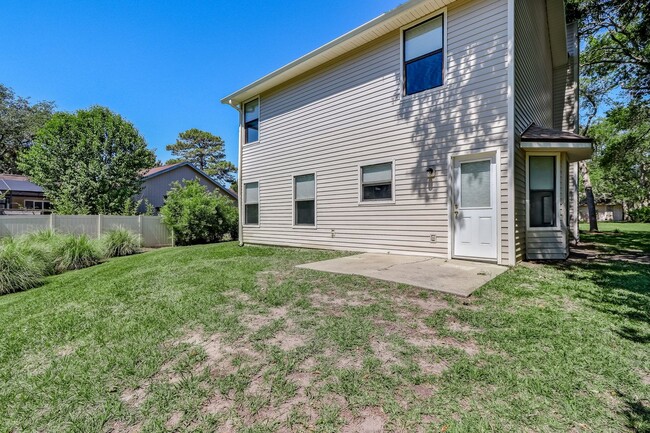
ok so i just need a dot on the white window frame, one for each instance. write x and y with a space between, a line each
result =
259 204
259 121
293 202
361 201
558 212
403 29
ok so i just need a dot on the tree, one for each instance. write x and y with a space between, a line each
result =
622 157
615 62
205 151
88 162
197 215
617 49
19 122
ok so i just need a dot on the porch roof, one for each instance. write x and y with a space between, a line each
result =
537 138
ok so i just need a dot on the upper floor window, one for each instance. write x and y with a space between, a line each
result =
252 203
252 121
377 182
542 194
423 56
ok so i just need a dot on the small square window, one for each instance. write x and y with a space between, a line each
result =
377 182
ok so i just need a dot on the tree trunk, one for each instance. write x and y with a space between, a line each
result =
589 192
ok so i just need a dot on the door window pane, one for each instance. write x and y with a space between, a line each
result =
475 184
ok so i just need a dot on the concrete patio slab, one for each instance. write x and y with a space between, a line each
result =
458 277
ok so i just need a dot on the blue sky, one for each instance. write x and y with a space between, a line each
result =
163 65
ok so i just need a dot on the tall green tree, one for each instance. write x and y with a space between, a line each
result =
204 150
88 162
19 122
622 158
615 63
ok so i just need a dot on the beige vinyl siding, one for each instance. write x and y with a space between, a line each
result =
534 103
350 112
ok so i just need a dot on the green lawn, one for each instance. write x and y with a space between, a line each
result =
619 237
222 338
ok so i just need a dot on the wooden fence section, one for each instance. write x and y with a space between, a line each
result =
150 228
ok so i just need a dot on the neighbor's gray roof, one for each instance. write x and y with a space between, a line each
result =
539 134
18 183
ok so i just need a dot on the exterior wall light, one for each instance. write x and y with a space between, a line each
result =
431 173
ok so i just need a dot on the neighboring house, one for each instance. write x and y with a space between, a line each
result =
442 128
18 193
606 210
158 181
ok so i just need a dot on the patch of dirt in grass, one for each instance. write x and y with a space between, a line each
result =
370 420
255 322
173 420
423 390
218 403
349 362
66 350
422 305
383 352
122 427
333 301
453 324
430 367
288 340
133 397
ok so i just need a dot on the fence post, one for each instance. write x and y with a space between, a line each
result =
99 226
173 238
140 229
52 221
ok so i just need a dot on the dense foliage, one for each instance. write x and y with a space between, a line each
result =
205 151
197 215
88 162
19 122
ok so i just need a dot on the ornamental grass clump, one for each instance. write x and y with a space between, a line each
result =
19 269
120 242
76 252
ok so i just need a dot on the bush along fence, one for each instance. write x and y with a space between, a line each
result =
150 229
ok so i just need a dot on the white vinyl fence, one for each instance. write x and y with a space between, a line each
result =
150 228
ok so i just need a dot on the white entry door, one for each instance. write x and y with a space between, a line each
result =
474 211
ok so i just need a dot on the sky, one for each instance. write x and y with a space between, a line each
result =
163 65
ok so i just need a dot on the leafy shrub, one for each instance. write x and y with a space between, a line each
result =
196 215
75 252
120 242
640 215
19 270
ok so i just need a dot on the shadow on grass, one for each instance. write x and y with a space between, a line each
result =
619 241
637 413
622 289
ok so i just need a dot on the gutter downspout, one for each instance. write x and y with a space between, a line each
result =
239 175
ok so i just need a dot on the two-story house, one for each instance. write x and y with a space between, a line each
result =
441 128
